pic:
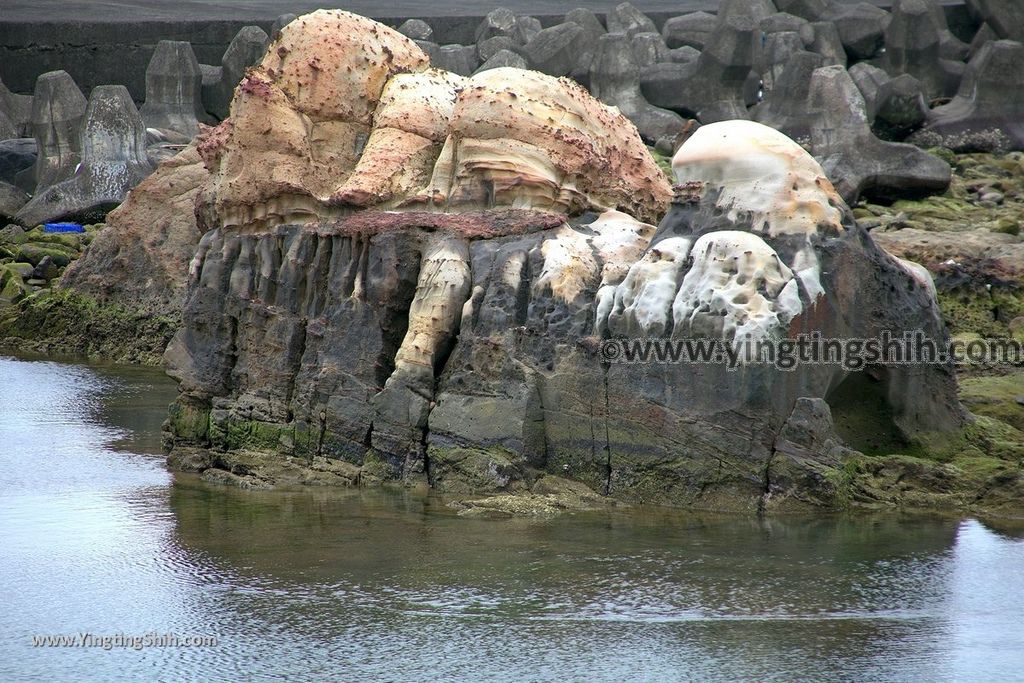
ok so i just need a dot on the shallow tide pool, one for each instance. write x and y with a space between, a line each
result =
98 539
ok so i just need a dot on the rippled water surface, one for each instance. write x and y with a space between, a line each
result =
97 537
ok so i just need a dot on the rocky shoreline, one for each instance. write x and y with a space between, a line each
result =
391 264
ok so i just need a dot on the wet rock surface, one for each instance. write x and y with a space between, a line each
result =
405 255
425 347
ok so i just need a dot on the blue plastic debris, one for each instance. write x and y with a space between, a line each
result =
62 227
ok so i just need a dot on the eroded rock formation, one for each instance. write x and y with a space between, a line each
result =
349 116
412 272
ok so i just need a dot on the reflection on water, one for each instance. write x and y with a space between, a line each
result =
96 536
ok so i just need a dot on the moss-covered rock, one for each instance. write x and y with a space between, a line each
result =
663 162
69 240
188 421
62 322
34 252
475 470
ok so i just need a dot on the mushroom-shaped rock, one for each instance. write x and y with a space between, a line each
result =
420 333
310 106
856 160
524 139
114 161
373 127
762 175
744 183
174 84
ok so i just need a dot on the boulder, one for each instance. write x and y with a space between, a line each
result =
683 55
776 50
502 59
140 258
587 19
593 30
526 29
174 89
1004 17
950 47
689 30
983 36
649 49
114 160
416 29
861 27
827 43
16 155
719 84
556 50
17 110
858 162
389 132
279 23
901 108
912 46
459 59
430 49
811 10
58 109
11 200
625 18
246 48
211 76
45 270
987 113
783 22
488 48
785 108
614 79
7 129
452 334
498 22
869 79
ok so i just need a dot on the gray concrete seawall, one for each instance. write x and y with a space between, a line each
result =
113 42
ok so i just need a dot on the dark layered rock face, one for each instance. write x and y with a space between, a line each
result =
463 350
